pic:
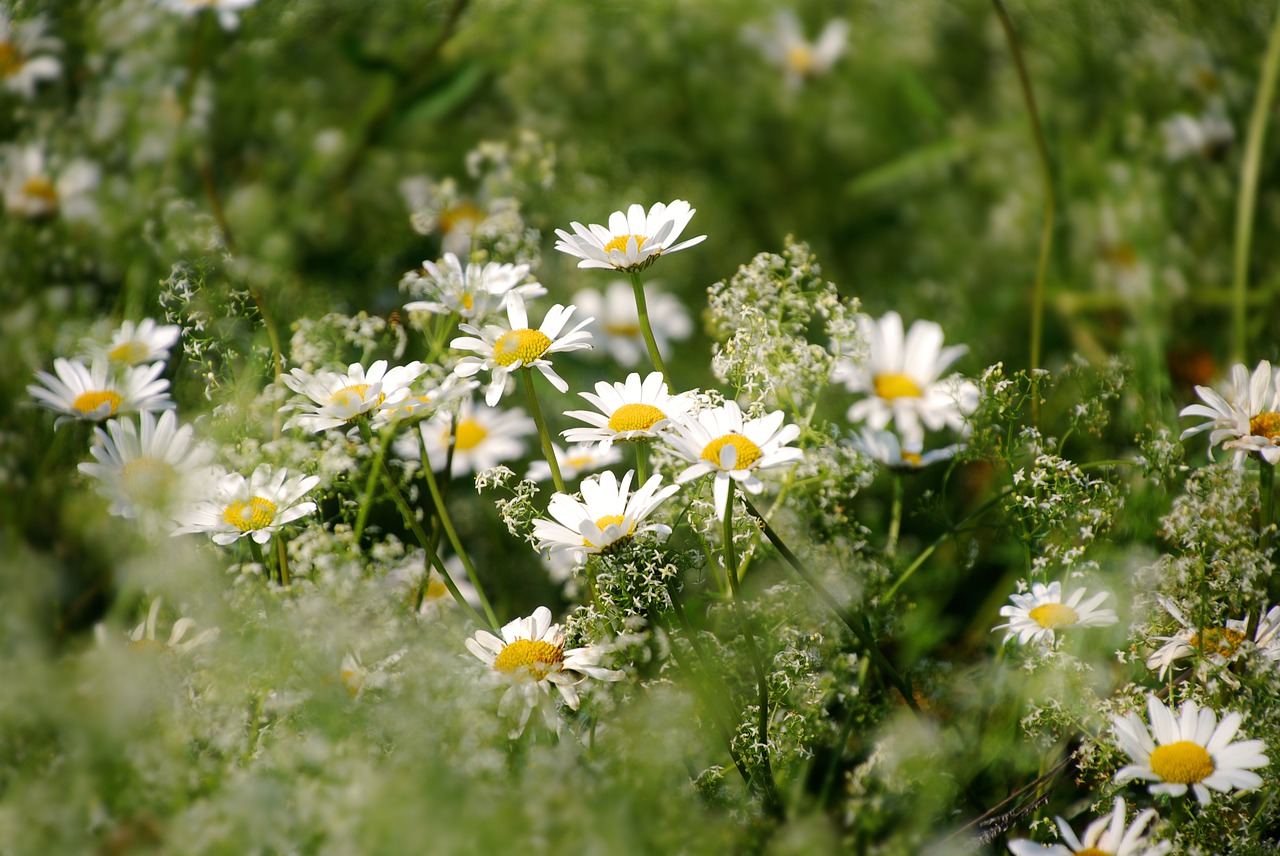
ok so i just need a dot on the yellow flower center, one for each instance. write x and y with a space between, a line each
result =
1093 851
452 218
524 345
147 645
1266 425
913 458
435 590
538 657
635 417
1217 640
257 513
41 188
10 59
129 353
468 301
353 396
610 520
800 59
891 386
148 479
748 452
620 243
353 680
1051 615
577 462
622 328
87 402
468 435
1183 763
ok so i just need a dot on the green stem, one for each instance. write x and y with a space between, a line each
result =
1267 485
938 542
255 550
642 460
526 377
642 312
379 455
442 512
895 518
282 561
1246 200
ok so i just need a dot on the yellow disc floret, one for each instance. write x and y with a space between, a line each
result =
148 480
748 452
1183 763
622 328
1093 851
1266 425
1051 615
538 657
800 59
891 386
468 435
255 514
1217 640
635 417
620 243
353 397
10 59
611 520
88 402
41 188
129 353
524 345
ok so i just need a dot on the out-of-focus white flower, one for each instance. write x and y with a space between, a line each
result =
1217 645
884 446
24 59
607 515
332 399
143 637
1186 135
785 46
148 466
633 410
617 325
95 393
226 9
578 459
256 506
438 207
1246 418
357 677
1038 615
32 189
1106 836
474 292
633 239
481 437
132 344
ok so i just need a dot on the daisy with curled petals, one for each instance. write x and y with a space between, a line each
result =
1106 836
1246 419
148 466
884 447
474 292
607 515
633 410
1216 645
1188 749
723 441
132 344
94 393
332 399
506 349
574 461
530 654
633 239
617 323
256 506
23 55
481 437
1040 614
901 379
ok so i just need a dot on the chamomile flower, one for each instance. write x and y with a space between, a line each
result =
226 9
530 654
439 207
94 393
516 346
24 59
472 293
1186 135
1037 616
633 410
721 440
256 506
1106 836
577 459
1217 645
143 637
357 677
1188 749
607 515
132 344
633 239
885 447
481 437
150 465
901 379
332 399
34 190
784 45
617 325
1246 418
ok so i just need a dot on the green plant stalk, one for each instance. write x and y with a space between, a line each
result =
938 542
1267 486
642 312
895 518
642 455
1247 199
255 550
526 377
379 454
442 513
282 561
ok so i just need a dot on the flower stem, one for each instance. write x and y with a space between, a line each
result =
442 513
379 455
642 456
1267 486
895 519
255 550
642 312
526 377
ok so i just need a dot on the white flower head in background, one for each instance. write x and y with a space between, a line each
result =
633 239
33 189
1108 836
884 447
617 325
784 45
1187 136
95 393
631 411
473 293
150 465
331 399
439 207
1040 614
24 55
132 344
1244 419
257 506
505 349
227 10
144 638
481 437
577 459
1218 645
1188 749
607 515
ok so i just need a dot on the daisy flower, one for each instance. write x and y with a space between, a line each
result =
617 325
143 637
1217 645
900 378
357 677
531 655
505 349
784 45
150 465
633 240
474 292
226 9
1185 135
439 207
607 515
256 506
1106 836
94 393
1038 615
1246 418
23 59
333 399
1192 748
884 447
132 344
721 440
481 437
633 410
578 459
32 190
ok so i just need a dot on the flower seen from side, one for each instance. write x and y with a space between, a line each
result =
505 349
1246 418
144 636
617 324
481 437
150 465
132 344
634 410
25 58
1188 136
1217 645
473 292
607 515
783 44
257 506
93 393
885 447
1106 836
1189 749
332 399
576 460
34 190
633 239
1037 616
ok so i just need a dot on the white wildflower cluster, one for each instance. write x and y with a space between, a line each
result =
1060 508
322 342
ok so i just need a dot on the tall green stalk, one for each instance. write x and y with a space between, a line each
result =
526 377
642 312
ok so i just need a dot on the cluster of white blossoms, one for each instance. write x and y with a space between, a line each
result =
1245 418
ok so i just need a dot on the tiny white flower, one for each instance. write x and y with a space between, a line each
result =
474 292
633 240
784 45
256 506
1106 836
633 410
617 324
132 344
607 515
1038 615
331 399
94 393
